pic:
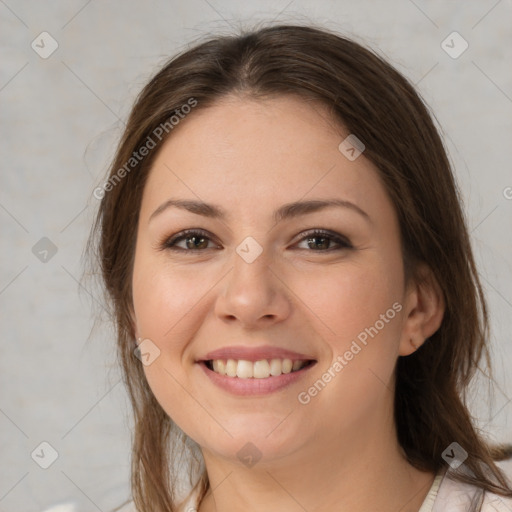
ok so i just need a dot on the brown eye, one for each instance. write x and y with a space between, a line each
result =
320 241
194 240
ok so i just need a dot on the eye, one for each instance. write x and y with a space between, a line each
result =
319 240
195 240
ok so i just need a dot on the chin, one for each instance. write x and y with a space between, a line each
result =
257 440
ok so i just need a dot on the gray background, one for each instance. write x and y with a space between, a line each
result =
61 117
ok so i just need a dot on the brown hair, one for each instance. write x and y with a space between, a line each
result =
371 99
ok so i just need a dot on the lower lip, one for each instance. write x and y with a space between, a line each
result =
246 387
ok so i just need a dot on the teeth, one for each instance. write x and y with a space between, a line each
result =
261 369
231 368
275 367
286 366
297 365
258 370
219 366
244 370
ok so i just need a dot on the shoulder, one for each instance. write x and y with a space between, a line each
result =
494 502
457 496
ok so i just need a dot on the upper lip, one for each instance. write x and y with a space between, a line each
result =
254 354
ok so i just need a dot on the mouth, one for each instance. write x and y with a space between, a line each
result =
261 369
256 370
245 371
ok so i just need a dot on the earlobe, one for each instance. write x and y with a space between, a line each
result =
424 310
410 346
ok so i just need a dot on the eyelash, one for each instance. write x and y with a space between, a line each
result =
169 244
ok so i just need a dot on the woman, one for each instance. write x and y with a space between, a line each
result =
295 295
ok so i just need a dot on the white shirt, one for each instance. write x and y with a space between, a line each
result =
449 495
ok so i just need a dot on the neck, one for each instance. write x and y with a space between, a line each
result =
363 472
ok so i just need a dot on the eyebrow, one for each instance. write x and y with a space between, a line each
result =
287 211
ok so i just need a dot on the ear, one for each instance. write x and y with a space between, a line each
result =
423 310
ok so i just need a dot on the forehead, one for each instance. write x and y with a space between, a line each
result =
252 154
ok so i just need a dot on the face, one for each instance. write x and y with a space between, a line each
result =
252 292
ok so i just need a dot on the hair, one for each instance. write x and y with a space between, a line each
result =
369 98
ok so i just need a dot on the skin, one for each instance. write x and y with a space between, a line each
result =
339 451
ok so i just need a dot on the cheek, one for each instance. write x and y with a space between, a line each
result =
350 297
167 303
358 310
165 299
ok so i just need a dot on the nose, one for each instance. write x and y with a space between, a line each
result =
253 294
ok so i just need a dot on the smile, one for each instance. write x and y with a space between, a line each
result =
262 369
257 378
